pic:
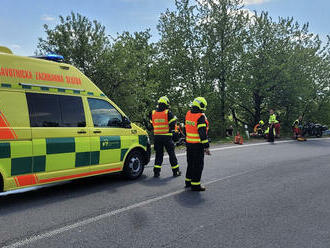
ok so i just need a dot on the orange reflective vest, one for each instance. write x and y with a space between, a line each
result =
192 135
176 128
256 128
160 122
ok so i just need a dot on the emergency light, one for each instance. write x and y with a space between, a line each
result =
51 56
54 57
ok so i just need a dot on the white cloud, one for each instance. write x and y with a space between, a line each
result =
47 18
15 46
251 2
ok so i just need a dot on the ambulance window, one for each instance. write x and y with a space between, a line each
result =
72 110
44 110
55 111
104 114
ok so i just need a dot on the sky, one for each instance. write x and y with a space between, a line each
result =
21 21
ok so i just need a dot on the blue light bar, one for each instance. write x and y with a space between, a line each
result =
54 57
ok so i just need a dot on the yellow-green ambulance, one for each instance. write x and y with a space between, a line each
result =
56 125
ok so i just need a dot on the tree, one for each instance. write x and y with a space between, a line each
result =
281 69
223 31
242 64
82 42
122 66
128 74
198 49
178 61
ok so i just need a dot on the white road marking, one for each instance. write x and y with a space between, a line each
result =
244 146
85 222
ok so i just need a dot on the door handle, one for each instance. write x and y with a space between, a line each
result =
97 131
81 132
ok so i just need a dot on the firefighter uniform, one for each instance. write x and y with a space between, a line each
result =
259 128
197 126
297 128
163 122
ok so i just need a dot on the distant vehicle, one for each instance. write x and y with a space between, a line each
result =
57 125
326 132
313 129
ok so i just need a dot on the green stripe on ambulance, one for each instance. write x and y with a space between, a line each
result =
51 150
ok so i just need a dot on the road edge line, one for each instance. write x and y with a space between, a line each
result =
245 146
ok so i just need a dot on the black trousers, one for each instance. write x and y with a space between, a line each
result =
166 141
195 159
271 136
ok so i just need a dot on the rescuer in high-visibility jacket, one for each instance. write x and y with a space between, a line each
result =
197 143
272 122
259 128
163 122
297 128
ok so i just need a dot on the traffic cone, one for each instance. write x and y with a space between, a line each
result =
238 139
241 140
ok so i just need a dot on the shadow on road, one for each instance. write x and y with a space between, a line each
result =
156 182
43 196
190 199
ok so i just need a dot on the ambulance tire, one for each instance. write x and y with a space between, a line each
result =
1 183
134 165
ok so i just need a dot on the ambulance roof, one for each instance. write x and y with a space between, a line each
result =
31 73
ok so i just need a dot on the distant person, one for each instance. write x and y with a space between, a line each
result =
259 128
229 131
297 129
271 123
277 127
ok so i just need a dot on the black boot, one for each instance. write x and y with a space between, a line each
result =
198 188
187 185
156 172
176 173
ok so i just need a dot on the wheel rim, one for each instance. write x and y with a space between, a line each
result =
135 165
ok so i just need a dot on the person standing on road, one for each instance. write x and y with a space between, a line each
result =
197 143
277 127
163 122
272 122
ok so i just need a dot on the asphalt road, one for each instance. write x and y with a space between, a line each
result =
258 195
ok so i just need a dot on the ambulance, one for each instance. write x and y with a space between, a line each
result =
57 125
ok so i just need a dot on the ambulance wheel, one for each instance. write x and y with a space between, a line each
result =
134 165
1 183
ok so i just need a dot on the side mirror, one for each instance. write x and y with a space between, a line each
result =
126 122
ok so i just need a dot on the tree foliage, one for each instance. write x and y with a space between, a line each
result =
129 74
242 63
82 42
